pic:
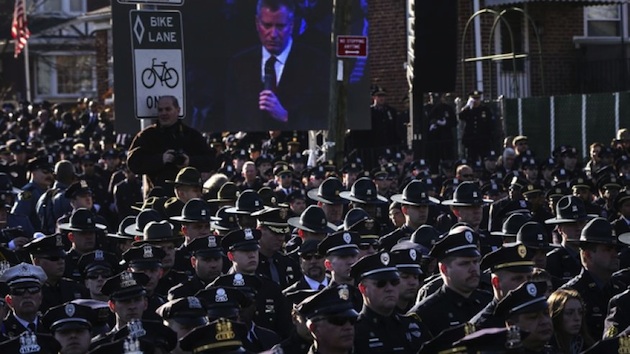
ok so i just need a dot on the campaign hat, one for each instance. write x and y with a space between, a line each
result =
121 233
82 219
156 232
512 224
312 219
248 202
195 210
414 193
142 219
227 193
224 221
598 231
187 176
569 209
363 191
467 193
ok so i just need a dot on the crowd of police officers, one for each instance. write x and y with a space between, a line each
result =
262 253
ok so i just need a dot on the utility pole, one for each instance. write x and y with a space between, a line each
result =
338 95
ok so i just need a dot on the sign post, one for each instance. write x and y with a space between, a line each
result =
352 46
158 60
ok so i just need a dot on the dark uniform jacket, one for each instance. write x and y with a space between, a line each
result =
388 241
169 280
260 339
618 317
26 203
446 308
288 269
293 345
188 288
147 148
563 263
486 318
392 334
12 328
595 299
65 290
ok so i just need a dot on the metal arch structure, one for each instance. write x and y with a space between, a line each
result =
534 27
499 16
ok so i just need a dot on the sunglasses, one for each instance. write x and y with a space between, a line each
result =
22 291
308 257
341 320
97 275
383 283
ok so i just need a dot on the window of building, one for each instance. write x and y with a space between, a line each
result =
70 7
65 75
602 21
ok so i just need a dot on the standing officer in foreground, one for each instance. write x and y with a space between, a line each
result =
379 328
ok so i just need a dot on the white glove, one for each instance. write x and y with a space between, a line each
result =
432 127
441 121
470 102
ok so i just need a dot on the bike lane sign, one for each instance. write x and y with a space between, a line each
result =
158 59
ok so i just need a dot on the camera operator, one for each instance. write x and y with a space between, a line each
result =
164 148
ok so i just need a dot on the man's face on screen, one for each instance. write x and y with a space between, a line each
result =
274 28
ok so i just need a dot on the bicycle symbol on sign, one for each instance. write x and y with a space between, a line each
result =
166 75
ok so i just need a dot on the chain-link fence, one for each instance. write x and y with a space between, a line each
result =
576 120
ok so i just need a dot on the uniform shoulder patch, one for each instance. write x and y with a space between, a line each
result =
611 332
26 195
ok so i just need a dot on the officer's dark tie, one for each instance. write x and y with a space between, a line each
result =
275 276
270 74
31 326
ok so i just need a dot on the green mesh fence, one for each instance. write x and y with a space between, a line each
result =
576 120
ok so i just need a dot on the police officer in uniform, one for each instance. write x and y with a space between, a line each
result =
25 297
47 252
274 229
459 299
207 262
220 336
195 219
331 320
71 325
379 328
598 254
340 250
41 179
564 262
183 315
327 197
187 185
415 206
511 266
82 232
480 126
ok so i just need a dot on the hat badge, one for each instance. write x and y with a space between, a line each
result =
238 280
531 289
539 237
574 208
70 310
385 258
24 270
523 204
147 251
346 237
224 330
368 192
58 241
212 241
474 194
249 235
344 293
369 224
522 251
127 280
98 255
88 220
469 236
204 212
193 302
412 254
221 295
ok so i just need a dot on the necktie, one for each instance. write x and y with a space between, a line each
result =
275 276
31 327
270 74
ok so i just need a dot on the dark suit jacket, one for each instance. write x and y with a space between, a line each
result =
302 91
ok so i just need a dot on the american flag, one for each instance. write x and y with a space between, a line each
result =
19 27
